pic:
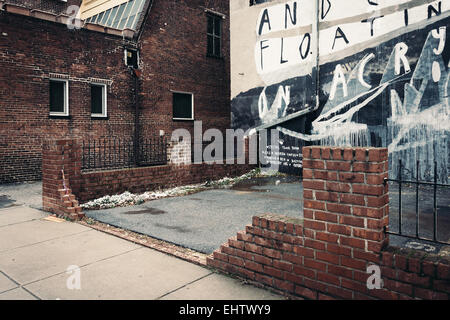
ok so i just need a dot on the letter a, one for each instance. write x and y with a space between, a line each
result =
374 281
74 281
338 77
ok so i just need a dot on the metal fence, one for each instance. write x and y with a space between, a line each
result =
422 211
116 153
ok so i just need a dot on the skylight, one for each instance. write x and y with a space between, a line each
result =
125 15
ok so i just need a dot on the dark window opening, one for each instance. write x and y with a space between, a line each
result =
98 100
183 106
132 59
58 99
214 34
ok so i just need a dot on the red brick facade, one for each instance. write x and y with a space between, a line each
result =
172 57
326 254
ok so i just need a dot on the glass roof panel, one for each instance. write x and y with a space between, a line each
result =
105 17
119 15
126 14
111 16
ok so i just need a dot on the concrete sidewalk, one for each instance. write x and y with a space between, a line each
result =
35 253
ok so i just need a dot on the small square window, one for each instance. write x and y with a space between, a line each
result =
183 106
98 100
59 97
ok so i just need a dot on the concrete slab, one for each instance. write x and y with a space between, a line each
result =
6 283
220 287
17 294
139 274
19 214
205 220
37 261
32 232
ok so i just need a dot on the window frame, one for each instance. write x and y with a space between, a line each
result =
192 106
104 113
125 57
65 113
214 17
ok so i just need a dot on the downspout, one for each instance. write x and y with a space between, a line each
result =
136 74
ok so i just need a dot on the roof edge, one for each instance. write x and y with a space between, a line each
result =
63 19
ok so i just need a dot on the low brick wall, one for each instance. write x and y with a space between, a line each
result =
326 255
97 184
65 155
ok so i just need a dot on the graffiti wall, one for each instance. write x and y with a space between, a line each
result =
347 73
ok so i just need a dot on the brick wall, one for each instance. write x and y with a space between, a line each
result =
173 46
325 255
30 51
173 57
61 163
91 185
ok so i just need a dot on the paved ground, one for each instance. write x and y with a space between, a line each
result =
35 253
205 220
28 193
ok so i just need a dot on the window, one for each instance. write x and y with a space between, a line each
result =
59 97
183 106
214 33
132 58
98 100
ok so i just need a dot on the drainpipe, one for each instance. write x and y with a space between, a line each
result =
137 74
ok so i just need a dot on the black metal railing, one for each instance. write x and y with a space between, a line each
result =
411 218
116 153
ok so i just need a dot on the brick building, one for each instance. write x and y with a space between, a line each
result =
59 81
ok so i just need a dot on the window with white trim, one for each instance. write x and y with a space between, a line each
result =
183 106
59 97
98 100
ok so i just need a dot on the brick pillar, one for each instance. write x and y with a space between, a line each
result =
346 207
346 199
57 196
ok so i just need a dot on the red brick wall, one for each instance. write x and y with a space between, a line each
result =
326 254
61 163
173 57
66 154
173 44
31 49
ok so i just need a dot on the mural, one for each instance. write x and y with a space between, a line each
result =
373 73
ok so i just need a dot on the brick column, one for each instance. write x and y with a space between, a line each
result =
346 207
57 196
